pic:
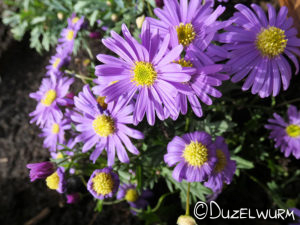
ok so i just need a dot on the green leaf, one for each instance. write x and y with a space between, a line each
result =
93 17
242 163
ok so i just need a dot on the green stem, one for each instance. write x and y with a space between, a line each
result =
187 210
288 102
82 77
113 202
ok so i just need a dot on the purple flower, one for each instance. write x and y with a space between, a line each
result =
40 170
144 71
134 199
75 22
103 183
50 95
105 128
191 24
61 58
54 133
73 198
286 135
194 155
259 47
224 168
200 86
297 213
56 181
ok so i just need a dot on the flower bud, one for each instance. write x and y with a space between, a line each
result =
114 17
186 220
60 15
139 21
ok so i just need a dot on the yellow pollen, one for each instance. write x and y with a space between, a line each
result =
195 154
185 33
101 102
271 42
103 183
55 128
143 74
104 125
53 181
56 62
184 63
70 35
293 130
131 195
75 20
222 161
49 97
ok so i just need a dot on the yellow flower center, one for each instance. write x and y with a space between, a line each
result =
103 183
49 97
104 125
184 63
131 195
59 156
293 130
70 35
101 102
195 154
222 161
53 181
271 42
185 33
75 20
55 128
56 62
143 74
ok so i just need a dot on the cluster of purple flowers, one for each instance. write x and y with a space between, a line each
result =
198 159
52 97
175 64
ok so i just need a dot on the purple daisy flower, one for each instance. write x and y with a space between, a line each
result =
259 47
145 71
40 170
134 199
56 181
194 155
103 183
75 22
61 58
224 168
50 95
105 128
191 24
201 86
54 133
286 135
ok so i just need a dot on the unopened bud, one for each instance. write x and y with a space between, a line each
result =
139 21
114 17
186 220
60 15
